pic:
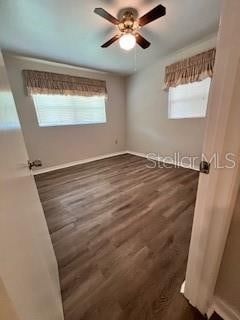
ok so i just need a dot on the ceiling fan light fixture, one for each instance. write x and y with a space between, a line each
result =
129 25
127 41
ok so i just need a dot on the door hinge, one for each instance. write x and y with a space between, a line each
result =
204 167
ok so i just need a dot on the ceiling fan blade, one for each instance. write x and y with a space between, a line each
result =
111 41
104 14
142 42
152 15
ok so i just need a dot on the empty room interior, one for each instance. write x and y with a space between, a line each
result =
119 166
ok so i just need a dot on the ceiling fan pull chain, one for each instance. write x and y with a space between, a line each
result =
135 59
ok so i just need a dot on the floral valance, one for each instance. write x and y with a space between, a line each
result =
190 70
41 82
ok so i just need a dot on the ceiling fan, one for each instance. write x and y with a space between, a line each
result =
129 25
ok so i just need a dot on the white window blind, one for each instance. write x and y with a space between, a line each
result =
189 100
60 110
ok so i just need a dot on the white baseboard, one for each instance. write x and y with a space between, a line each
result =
210 311
182 290
224 310
162 159
219 306
74 163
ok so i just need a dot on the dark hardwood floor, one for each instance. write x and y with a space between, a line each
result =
121 234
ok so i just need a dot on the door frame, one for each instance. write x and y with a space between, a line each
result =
217 191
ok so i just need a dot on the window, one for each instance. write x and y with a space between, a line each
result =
189 100
61 110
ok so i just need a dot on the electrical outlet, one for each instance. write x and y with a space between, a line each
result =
116 141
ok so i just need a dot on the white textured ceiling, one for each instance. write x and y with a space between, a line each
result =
68 31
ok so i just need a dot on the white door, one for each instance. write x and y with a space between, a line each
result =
28 267
217 191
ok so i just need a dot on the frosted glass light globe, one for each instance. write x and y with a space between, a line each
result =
127 42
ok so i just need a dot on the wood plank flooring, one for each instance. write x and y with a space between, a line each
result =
121 234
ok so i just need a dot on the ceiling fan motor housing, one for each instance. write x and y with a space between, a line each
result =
128 24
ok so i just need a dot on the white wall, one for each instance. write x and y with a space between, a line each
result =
61 145
148 126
